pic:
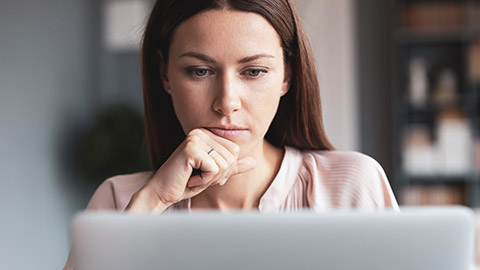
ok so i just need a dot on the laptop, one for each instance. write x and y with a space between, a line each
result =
414 239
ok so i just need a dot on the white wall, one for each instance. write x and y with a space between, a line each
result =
330 26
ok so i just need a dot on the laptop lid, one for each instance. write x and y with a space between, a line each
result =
414 239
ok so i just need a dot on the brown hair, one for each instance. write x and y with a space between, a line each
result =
298 121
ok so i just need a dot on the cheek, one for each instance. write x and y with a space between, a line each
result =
267 112
265 106
189 107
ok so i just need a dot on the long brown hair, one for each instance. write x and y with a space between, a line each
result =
298 121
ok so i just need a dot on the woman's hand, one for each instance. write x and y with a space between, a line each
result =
174 182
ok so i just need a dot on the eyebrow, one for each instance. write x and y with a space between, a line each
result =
209 59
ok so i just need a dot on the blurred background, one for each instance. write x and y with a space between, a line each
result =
400 81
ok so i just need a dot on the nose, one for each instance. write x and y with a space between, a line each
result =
227 95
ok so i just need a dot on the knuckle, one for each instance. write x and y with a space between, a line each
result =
193 142
190 147
191 138
194 132
215 170
195 135
224 165
230 160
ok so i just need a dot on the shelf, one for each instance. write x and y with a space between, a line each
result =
424 38
440 179
432 1
466 104
463 103
431 37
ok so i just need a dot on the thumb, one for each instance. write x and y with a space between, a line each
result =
244 165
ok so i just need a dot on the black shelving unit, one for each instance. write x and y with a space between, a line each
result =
440 49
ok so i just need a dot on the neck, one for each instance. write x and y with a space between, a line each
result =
244 191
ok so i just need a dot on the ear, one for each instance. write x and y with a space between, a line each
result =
286 79
162 70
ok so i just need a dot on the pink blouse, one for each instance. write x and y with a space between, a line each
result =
319 180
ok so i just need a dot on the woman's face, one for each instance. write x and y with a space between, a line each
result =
226 73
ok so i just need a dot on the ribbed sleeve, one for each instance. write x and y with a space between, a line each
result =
325 180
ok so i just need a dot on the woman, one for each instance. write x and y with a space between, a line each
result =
233 118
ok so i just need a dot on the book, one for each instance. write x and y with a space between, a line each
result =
477 16
474 61
433 195
433 17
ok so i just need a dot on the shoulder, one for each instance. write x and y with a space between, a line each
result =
347 178
340 161
342 168
115 192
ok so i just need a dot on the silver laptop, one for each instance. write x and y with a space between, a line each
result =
415 239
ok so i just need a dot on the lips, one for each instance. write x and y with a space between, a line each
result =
228 133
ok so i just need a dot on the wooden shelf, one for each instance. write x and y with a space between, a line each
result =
407 37
441 179
420 37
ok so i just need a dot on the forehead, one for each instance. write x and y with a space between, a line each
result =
216 31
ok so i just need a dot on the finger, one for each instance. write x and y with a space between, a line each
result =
223 181
227 149
223 170
244 165
194 191
195 181
222 151
206 164
232 147
225 154
205 144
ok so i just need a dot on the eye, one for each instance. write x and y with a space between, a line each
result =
254 72
199 72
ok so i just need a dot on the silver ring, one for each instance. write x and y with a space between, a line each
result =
211 152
